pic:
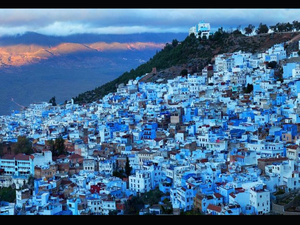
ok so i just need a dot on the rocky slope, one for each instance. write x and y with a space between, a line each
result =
257 43
193 55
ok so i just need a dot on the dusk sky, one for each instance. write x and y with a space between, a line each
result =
64 21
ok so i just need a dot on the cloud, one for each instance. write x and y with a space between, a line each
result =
70 21
59 28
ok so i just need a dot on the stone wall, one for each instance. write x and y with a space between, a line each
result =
280 208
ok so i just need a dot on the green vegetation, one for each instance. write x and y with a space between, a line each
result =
262 29
191 212
7 194
195 51
152 197
53 101
128 168
248 88
134 204
23 145
171 55
120 172
249 29
1 149
57 147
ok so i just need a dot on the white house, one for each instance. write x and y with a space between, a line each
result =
43 158
260 199
94 204
182 197
156 174
106 166
296 72
286 173
140 181
202 28
19 164
108 205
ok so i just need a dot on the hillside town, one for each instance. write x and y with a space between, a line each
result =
224 141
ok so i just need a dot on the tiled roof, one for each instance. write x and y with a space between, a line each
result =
8 156
214 208
218 195
75 156
19 156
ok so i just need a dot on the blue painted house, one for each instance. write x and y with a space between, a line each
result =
189 112
247 114
149 130
287 70
280 99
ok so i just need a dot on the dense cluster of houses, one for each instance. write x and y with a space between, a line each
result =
200 139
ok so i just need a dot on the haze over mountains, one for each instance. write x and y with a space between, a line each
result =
35 67
25 50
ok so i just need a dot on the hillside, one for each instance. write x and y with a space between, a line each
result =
193 55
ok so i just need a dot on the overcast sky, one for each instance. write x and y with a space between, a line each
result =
125 20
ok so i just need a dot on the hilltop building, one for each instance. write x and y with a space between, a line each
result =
202 29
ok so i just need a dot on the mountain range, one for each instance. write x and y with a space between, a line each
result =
36 67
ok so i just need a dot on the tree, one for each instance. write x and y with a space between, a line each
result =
1 149
183 72
168 208
204 38
279 27
248 30
51 145
191 212
273 28
219 34
128 168
23 145
278 75
152 197
119 173
133 205
262 29
7 194
57 147
174 42
296 25
249 88
288 26
60 146
272 64
53 101
237 32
